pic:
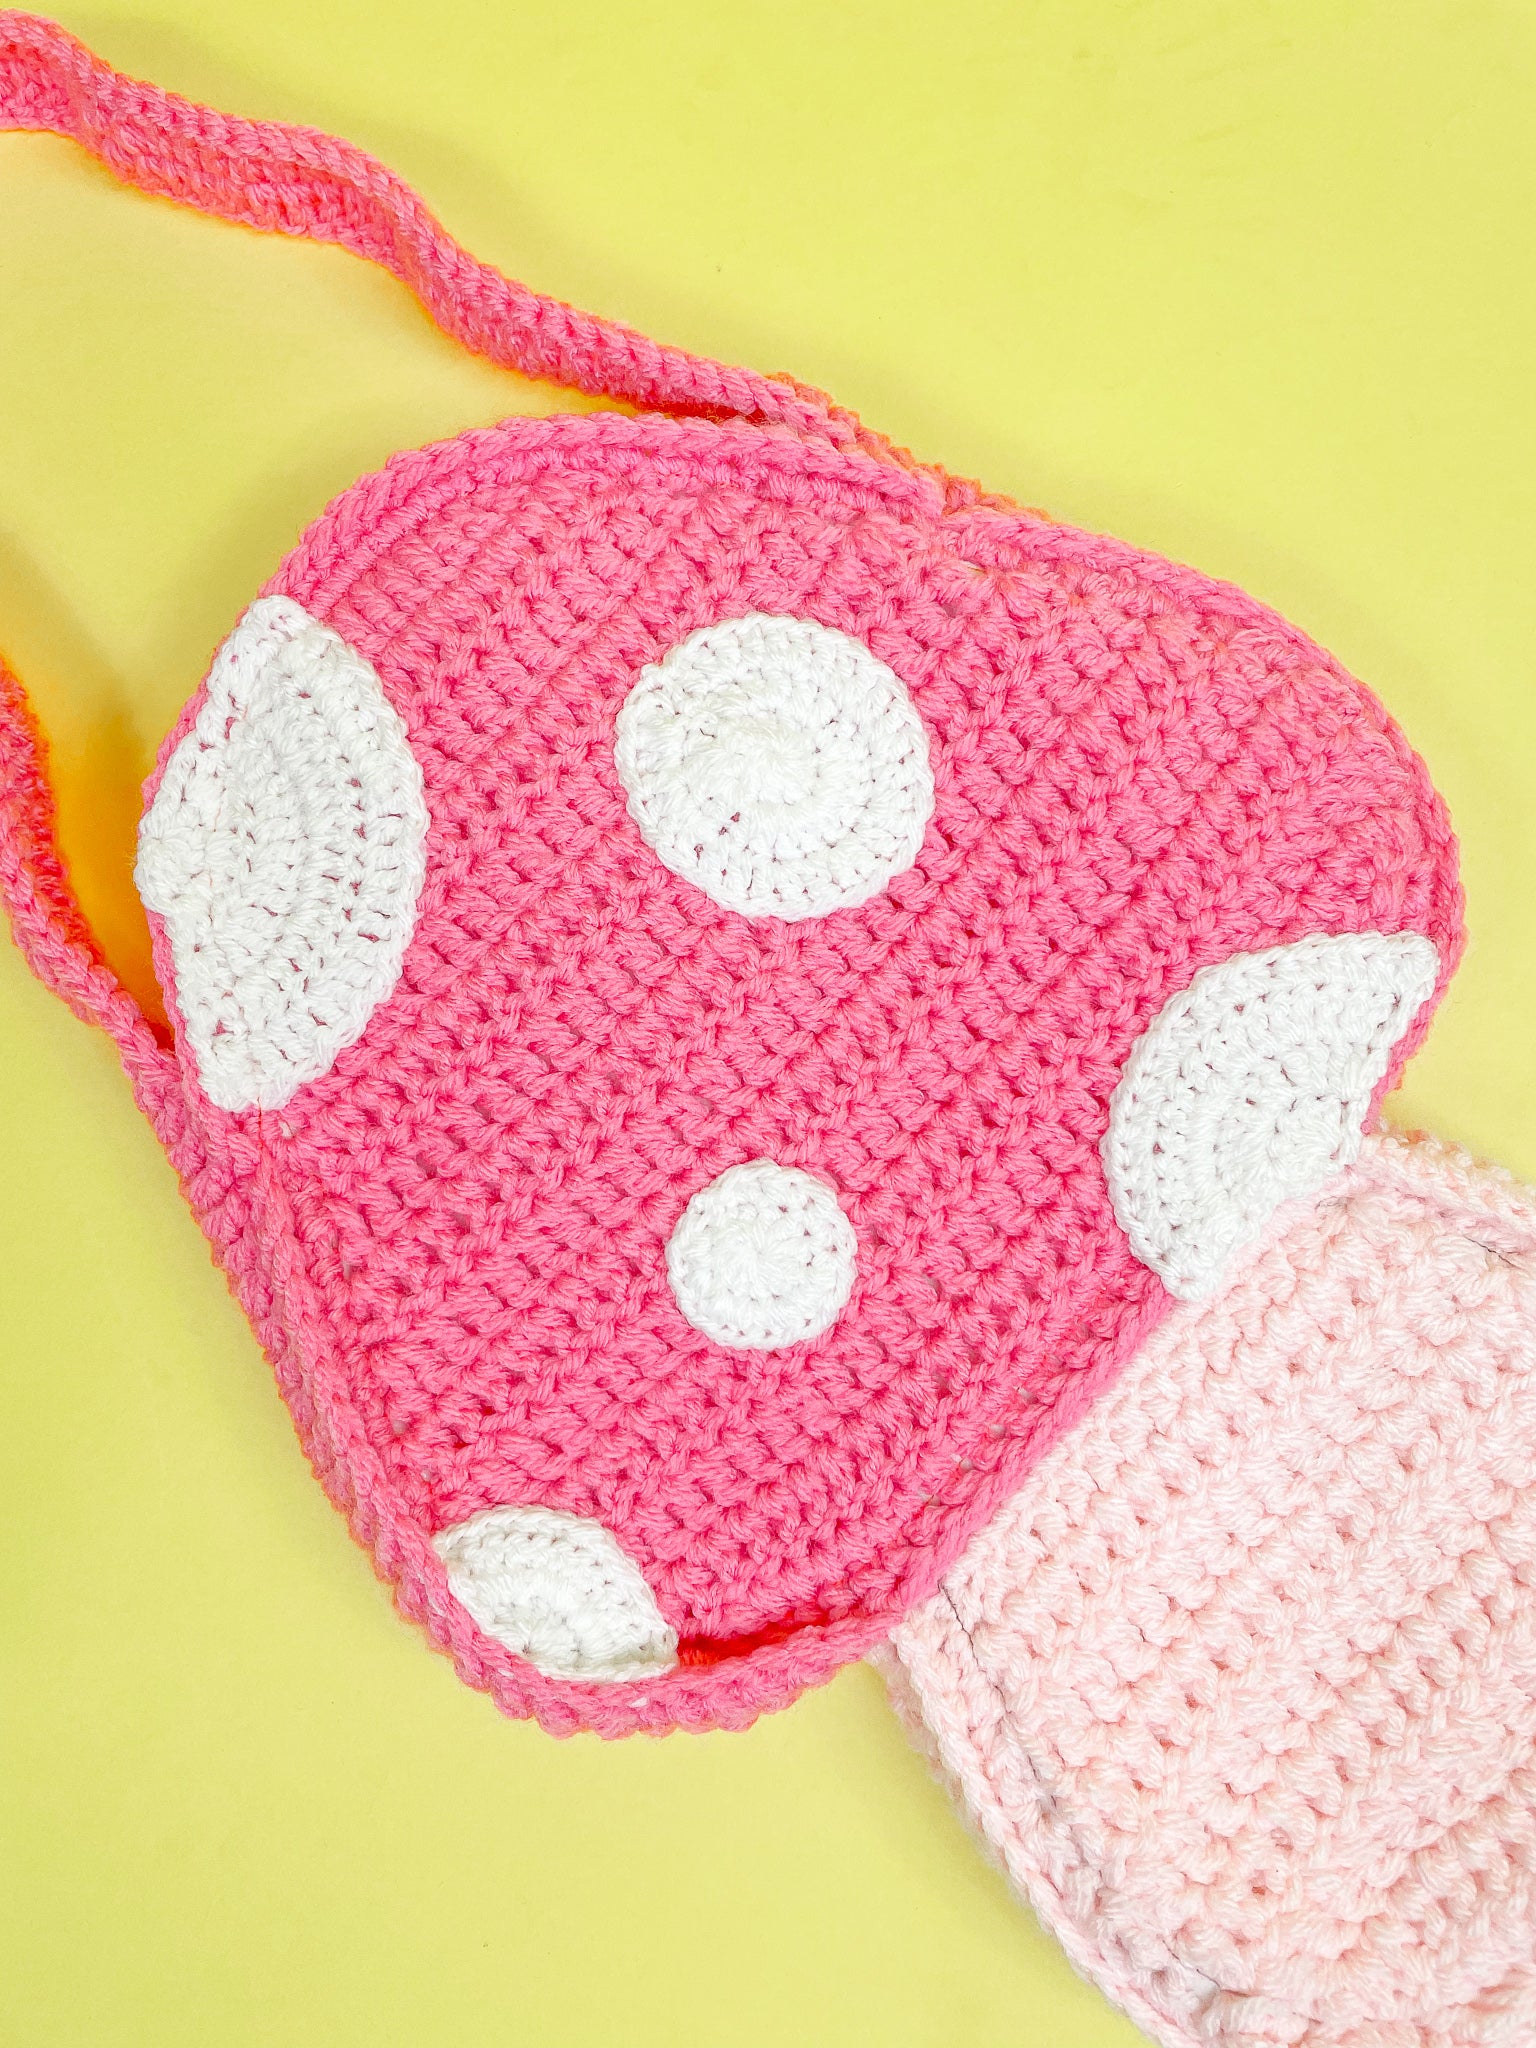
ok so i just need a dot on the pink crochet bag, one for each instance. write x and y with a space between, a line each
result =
723 981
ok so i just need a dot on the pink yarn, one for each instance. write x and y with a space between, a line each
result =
1241 1686
450 1242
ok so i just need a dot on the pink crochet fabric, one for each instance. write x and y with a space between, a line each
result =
1241 1686
446 1182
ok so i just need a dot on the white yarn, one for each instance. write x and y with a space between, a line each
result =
559 1590
1249 1089
777 765
762 1257
285 852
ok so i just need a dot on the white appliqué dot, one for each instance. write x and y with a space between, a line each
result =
559 1590
777 765
285 852
762 1257
1249 1089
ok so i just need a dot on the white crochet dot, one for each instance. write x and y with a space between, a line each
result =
1250 1088
284 851
777 765
762 1257
559 1590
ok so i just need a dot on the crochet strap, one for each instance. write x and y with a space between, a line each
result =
298 181
46 920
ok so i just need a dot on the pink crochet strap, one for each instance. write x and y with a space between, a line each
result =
298 181
45 918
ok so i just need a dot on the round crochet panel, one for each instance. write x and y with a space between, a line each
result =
1015 789
776 764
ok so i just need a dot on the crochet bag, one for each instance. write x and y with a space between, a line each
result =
1240 1687
723 981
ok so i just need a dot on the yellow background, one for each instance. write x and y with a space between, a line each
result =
1247 283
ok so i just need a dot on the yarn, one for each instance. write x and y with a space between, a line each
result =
1240 1687
558 1591
776 765
283 852
1249 1090
763 1257
1012 789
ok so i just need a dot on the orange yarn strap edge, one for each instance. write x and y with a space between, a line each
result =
46 920
298 181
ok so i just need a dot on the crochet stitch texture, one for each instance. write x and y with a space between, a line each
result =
1241 1686
882 893
284 854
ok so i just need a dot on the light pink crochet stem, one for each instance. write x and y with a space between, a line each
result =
298 181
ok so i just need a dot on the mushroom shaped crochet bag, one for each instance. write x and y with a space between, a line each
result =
723 982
